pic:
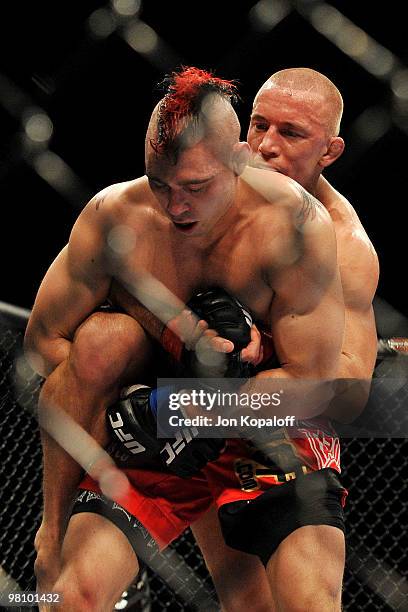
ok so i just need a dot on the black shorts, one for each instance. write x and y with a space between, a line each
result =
142 542
259 526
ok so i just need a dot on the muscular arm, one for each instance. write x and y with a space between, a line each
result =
359 271
355 368
76 282
307 311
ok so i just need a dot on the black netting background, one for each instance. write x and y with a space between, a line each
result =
88 69
375 472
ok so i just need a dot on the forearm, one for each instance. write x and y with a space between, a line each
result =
150 323
61 445
61 474
350 398
68 412
300 394
352 388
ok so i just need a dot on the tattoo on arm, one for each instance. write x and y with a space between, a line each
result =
309 206
98 201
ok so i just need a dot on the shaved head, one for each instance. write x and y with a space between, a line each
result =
310 85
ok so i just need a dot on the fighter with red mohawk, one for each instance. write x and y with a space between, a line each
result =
235 244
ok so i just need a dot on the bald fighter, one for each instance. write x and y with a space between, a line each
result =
198 219
294 131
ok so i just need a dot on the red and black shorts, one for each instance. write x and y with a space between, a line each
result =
254 519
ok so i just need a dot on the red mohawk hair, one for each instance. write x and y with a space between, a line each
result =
185 91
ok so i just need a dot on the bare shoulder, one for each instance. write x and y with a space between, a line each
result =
350 232
291 227
290 200
123 207
270 185
342 212
357 256
120 198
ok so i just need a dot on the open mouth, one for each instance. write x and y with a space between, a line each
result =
185 227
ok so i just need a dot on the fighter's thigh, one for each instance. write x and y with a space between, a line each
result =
315 555
110 348
239 578
98 563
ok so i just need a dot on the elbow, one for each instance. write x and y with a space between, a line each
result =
31 340
352 388
350 399
43 353
32 350
36 355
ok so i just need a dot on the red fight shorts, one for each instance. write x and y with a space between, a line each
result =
166 504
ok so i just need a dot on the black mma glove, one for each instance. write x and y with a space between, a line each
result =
229 319
133 420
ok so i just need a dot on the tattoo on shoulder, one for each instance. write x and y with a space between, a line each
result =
98 201
308 207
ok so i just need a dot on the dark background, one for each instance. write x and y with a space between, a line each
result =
98 92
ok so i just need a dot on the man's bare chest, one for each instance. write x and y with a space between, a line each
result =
185 271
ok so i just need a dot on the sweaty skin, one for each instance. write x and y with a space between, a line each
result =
294 131
191 224
290 282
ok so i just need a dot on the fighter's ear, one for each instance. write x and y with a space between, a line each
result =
334 150
241 153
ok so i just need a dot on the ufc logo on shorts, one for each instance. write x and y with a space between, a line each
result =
183 437
126 438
